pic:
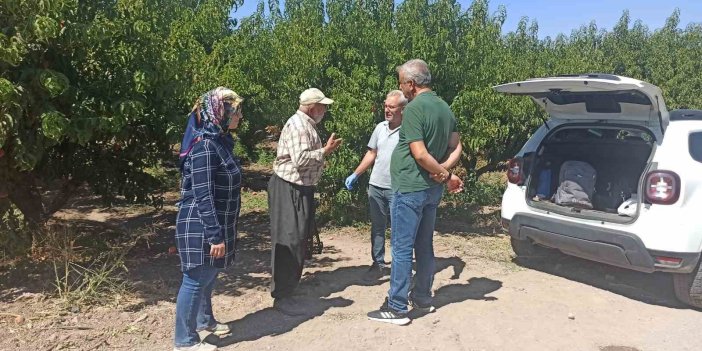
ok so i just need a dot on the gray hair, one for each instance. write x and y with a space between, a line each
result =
400 96
417 71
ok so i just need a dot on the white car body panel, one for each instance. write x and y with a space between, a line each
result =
668 228
638 114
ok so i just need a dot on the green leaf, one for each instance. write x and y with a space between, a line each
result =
7 91
46 28
54 125
53 82
6 127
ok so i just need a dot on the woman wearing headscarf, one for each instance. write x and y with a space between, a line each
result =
207 213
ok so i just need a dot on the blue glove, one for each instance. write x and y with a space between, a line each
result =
350 181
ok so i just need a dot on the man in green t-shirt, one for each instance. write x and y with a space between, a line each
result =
428 136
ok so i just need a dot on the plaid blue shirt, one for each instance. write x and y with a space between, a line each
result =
209 206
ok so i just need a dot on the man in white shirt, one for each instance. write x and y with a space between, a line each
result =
380 148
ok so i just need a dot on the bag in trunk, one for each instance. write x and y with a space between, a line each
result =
576 184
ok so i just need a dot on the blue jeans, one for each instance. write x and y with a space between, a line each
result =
194 304
413 217
379 203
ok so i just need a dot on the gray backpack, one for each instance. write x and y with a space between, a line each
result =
576 185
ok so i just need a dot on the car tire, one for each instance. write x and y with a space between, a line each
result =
688 287
527 248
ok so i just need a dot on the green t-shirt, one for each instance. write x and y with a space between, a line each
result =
428 118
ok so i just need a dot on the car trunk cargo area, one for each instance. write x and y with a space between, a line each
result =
590 172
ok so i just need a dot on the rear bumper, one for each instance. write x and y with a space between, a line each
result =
614 247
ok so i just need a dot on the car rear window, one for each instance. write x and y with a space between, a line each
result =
612 134
696 146
600 102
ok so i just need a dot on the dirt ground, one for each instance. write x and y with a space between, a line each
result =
485 299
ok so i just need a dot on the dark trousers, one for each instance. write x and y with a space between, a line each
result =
291 209
379 203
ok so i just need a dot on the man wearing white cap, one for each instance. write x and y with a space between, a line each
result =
296 170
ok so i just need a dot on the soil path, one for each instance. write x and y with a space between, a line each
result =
485 300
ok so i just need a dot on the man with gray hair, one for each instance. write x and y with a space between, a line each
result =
296 170
428 134
380 147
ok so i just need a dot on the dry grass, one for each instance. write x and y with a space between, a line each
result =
89 275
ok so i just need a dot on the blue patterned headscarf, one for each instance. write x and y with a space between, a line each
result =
210 118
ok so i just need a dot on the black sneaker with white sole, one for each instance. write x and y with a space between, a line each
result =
428 308
388 315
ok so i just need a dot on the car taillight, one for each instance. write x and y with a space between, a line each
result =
662 187
514 171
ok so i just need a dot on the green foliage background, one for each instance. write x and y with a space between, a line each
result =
97 91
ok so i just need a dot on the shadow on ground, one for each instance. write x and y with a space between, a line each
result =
475 288
651 288
313 292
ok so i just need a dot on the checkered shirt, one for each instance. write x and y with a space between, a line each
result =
209 206
300 157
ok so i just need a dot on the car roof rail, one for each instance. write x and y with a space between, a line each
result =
606 76
686 115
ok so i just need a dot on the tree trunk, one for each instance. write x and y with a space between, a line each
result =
21 189
24 193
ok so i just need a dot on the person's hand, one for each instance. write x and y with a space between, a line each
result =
350 181
454 184
440 177
332 144
217 251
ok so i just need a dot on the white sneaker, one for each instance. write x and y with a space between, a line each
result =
197 347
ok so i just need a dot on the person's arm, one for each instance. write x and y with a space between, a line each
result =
427 161
454 184
437 171
366 162
205 162
370 156
453 153
413 130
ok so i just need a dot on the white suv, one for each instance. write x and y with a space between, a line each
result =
647 171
